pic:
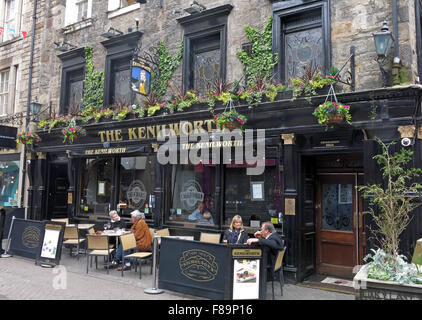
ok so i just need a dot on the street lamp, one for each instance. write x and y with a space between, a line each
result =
383 42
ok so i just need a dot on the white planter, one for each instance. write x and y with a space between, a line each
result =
371 289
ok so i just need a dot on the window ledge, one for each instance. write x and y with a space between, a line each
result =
5 43
77 26
124 10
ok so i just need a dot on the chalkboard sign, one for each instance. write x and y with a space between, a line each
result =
25 239
51 247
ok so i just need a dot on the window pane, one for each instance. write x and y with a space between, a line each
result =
191 197
206 69
122 92
136 184
255 197
9 181
75 94
337 207
96 186
303 48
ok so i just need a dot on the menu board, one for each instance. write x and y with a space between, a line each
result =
246 279
52 240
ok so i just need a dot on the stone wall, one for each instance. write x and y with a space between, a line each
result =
352 22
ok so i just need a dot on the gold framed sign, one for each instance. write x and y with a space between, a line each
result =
101 188
290 206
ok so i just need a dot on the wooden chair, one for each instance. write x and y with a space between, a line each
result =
71 238
210 237
128 242
65 220
98 244
278 267
163 232
91 231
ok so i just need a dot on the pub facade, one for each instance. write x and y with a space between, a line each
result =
307 171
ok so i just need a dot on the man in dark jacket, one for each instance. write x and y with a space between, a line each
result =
269 238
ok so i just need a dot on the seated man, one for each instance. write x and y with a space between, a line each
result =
201 214
269 238
142 236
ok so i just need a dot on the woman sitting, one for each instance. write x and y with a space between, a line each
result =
236 234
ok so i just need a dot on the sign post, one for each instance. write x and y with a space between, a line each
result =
154 289
6 254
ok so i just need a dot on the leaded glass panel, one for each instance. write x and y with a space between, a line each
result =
337 207
206 69
122 92
303 48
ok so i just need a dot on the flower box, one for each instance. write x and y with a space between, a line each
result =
372 289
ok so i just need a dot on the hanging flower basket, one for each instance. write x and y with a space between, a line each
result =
27 138
230 120
332 113
71 133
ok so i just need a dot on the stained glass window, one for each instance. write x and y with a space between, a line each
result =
206 69
122 92
302 49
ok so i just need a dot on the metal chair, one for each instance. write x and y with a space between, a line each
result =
210 237
128 242
71 238
278 267
100 247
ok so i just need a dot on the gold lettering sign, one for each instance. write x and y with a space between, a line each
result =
330 143
69 198
290 206
105 151
198 265
246 253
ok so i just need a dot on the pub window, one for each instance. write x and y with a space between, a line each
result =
73 73
118 4
136 184
9 181
120 92
74 91
253 197
302 38
96 175
205 41
192 194
206 63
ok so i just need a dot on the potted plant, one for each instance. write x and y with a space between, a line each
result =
388 274
27 138
331 113
230 119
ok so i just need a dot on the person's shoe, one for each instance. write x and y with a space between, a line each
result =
125 268
111 265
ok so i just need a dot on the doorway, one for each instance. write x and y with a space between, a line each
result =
340 239
57 191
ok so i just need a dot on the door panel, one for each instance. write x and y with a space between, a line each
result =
337 247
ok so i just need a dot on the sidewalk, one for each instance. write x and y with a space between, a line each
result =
21 279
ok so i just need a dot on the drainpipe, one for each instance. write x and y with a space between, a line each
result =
395 72
28 103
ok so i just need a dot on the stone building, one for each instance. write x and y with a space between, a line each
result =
115 165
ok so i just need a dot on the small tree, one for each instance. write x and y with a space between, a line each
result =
394 202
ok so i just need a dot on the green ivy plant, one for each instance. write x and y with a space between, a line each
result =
93 95
259 64
167 65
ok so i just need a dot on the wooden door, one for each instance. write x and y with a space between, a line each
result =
57 195
338 233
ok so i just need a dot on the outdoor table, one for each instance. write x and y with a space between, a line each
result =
115 234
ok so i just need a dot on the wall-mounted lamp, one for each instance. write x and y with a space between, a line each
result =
194 8
112 32
383 42
64 46
35 109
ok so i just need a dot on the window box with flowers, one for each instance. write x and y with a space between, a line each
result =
27 138
230 120
331 113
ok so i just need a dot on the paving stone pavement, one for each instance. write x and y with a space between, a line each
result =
22 279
